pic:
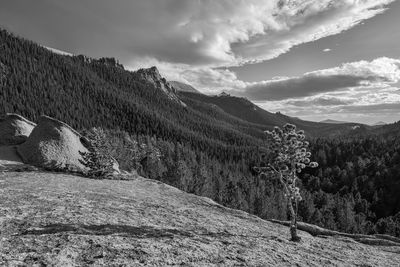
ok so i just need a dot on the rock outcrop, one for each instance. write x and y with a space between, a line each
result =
55 219
14 129
224 94
110 62
153 76
53 144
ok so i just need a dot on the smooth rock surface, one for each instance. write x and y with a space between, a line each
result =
14 129
53 145
51 219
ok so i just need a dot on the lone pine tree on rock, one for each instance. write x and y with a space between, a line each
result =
286 156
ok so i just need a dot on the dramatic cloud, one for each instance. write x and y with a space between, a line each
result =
307 85
377 73
369 93
296 22
195 41
193 32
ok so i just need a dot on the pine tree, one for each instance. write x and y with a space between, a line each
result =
286 156
98 160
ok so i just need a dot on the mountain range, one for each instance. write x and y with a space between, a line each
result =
85 83
379 123
247 111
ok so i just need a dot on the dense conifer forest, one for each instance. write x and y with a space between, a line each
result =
203 148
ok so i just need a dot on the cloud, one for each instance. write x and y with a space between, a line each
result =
192 32
207 80
377 73
368 91
297 22
375 108
321 101
233 32
307 85
193 41
212 80
355 78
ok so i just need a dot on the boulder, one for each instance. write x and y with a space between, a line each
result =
54 145
14 129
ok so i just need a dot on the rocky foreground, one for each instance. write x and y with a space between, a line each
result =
53 219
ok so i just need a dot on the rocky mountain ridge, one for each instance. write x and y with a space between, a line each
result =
153 76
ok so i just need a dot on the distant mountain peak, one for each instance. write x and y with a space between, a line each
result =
334 121
224 94
153 76
379 123
184 87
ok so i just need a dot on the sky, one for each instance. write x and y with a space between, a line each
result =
312 59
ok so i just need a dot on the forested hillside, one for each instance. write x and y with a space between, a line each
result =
203 147
246 110
356 188
85 92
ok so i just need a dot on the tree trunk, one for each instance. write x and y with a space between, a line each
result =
293 213
293 222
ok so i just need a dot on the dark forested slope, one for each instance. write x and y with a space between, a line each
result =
85 92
